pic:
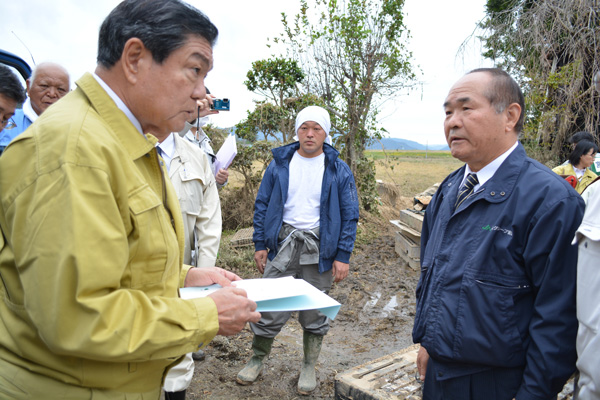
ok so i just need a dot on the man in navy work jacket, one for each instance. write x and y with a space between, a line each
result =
496 299
305 219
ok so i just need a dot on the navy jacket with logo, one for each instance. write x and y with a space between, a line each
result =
338 209
498 275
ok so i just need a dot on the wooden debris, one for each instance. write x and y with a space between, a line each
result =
392 377
242 238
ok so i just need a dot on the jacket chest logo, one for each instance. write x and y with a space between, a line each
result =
497 228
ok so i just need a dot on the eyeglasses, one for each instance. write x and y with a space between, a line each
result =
8 123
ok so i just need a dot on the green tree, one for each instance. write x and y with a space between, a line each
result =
275 79
270 124
237 202
354 59
553 48
266 118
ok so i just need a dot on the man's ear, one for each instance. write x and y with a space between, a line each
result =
513 113
28 85
133 59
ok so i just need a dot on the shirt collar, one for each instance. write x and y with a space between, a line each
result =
120 104
168 145
29 111
578 172
200 135
486 173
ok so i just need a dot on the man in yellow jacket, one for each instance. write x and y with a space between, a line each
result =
92 235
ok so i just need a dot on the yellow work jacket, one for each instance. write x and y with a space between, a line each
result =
587 178
90 253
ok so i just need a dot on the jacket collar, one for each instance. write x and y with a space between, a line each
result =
499 187
283 154
180 156
133 142
179 152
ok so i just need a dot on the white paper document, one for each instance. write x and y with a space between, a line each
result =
276 294
226 153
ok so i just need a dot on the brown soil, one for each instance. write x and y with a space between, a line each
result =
375 319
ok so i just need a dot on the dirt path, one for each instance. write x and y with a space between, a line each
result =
375 319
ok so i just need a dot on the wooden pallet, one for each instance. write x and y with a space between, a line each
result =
242 238
392 377
412 219
408 247
408 244
407 231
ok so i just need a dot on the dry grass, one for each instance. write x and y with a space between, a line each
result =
410 171
413 174
403 173
235 180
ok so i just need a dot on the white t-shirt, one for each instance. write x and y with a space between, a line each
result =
302 207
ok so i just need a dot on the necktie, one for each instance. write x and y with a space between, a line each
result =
466 189
160 152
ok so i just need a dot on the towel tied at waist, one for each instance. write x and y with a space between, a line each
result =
292 241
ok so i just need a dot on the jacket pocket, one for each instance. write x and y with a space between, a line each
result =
151 239
492 319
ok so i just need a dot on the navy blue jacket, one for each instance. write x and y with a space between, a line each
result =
338 210
498 275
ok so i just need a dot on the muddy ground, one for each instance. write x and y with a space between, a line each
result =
375 319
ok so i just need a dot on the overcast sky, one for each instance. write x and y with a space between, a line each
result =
66 31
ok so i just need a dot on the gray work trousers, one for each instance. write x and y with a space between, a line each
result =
312 321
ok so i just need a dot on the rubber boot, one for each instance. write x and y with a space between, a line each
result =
308 375
261 347
199 355
175 395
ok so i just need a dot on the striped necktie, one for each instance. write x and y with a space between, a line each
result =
160 151
466 189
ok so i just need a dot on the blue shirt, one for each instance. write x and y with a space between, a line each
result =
7 135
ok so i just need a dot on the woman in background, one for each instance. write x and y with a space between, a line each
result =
579 164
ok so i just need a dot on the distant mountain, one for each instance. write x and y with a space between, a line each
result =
403 144
388 143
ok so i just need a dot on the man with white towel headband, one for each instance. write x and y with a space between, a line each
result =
305 218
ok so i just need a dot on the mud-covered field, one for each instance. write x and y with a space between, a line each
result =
375 319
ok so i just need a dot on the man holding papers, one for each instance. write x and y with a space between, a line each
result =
305 219
91 241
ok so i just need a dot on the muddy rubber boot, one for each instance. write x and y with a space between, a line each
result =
308 375
199 355
175 395
261 347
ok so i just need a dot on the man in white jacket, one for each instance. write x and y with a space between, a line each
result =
192 177
588 301
191 174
